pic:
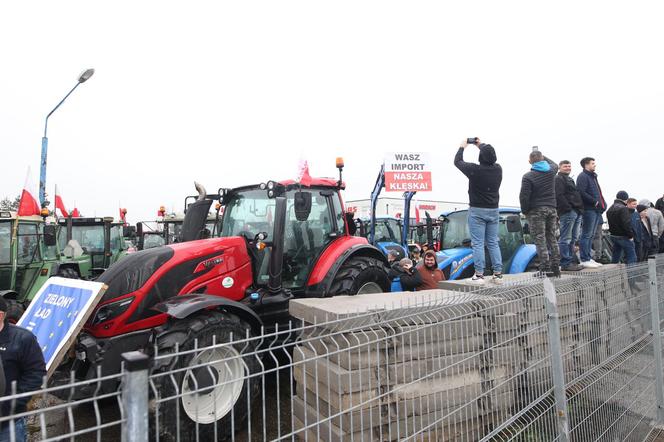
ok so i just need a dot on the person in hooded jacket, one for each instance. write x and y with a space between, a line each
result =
656 221
538 203
620 227
429 272
408 276
484 181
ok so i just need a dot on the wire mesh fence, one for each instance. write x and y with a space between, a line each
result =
572 358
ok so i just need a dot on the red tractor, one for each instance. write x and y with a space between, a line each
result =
278 240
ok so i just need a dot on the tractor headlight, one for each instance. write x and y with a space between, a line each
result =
270 185
113 310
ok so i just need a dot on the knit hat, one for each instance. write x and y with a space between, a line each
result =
640 208
405 261
622 195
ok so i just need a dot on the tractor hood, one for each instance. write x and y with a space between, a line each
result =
448 257
147 268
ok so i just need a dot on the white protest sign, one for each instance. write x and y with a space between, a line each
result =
407 172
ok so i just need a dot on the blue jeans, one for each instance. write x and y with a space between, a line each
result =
19 431
623 244
591 220
569 232
483 227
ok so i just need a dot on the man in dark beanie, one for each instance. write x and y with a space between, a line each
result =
538 203
483 184
620 227
24 367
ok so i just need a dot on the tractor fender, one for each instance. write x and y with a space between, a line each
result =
329 267
184 305
458 260
8 294
522 258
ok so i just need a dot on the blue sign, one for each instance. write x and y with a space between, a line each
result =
57 311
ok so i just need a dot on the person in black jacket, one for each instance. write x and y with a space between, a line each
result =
23 363
570 211
538 203
483 185
593 207
408 276
620 227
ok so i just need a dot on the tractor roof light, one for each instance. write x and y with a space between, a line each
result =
44 212
270 193
340 163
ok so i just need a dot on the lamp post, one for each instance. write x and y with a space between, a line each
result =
85 76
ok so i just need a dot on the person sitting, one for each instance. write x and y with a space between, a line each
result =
429 272
404 277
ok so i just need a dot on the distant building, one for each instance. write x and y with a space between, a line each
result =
394 207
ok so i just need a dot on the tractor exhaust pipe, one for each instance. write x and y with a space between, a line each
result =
196 216
201 191
277 253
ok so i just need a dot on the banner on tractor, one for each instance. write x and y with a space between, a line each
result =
58 312
407 172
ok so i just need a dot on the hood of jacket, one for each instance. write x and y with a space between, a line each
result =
541 166
487 155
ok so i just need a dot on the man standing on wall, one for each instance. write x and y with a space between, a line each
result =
570 211
538 203
483 185
593 207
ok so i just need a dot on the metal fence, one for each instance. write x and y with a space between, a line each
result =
572 358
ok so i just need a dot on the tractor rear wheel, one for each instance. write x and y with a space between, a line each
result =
205 391
360 275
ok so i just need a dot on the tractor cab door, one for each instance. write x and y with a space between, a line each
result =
28 257
510 237
116 243
5 255
305 239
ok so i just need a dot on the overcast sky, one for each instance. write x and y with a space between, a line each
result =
233 93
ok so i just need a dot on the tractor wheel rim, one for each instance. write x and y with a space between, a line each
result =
369 287
207 404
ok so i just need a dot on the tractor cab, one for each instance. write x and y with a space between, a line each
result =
456 257
28 256
100 238
426 234
387 234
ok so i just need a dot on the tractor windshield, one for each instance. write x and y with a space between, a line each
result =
250 212
91 238
388 230
455 230
5 241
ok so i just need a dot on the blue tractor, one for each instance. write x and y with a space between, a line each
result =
386 232
456 256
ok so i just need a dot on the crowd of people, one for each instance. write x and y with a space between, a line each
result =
563 215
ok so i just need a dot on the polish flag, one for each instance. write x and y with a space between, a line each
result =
59 204
303 176
75 213
417 213
29 204
123 214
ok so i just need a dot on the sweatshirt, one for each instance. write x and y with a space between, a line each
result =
483 179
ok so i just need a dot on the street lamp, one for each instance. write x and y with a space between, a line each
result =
85 76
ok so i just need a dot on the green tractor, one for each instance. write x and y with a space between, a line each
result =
101 241
29 255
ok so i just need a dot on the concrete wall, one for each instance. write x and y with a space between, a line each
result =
387 366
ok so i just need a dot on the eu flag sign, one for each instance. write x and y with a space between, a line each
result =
57 313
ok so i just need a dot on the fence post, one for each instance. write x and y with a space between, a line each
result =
657 339
135 396
555 346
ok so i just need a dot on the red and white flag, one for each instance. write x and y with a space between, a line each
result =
417 212
303 176
29 205
75 213
59 204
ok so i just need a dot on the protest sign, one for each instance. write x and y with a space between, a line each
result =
407 172
58 312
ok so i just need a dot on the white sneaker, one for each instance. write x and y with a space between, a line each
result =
477 279
597 264
590 264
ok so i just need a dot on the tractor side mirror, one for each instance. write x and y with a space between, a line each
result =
302 205
526 229
350 222
49 236
513 223
420 230
129 231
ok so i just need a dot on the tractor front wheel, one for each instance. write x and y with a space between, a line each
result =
205 390
360 275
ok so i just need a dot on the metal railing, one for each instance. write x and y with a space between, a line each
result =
573 359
